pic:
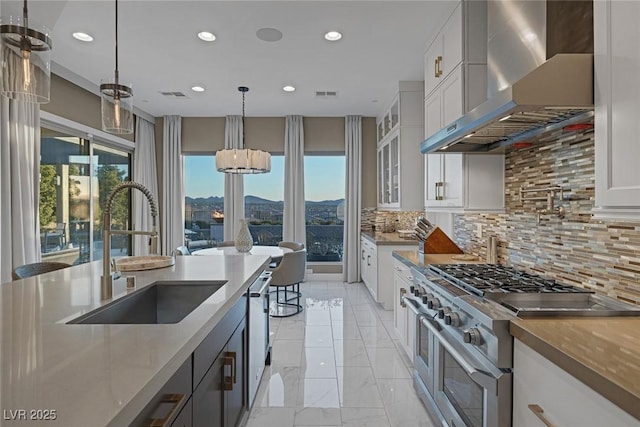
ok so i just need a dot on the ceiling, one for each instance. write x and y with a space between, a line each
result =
383 42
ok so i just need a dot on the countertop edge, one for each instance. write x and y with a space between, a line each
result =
611 391
386 239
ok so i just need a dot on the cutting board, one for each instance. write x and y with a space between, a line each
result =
140 263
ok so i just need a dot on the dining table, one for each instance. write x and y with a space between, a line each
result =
275 252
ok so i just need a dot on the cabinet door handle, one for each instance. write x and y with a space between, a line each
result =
368 259
439 185
539 412
439 63
363 254
435 67
403 291
229 360
177 400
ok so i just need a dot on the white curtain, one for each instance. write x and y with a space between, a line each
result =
145 172
19 185
233 183
353 199
293 221
172 231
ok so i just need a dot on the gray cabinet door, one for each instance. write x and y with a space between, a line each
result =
208 397
235 397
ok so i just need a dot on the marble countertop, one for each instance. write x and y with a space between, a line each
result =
388 239
603 353
418 260
101 375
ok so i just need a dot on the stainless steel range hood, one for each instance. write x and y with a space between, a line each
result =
542 97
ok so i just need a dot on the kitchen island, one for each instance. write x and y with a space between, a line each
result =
101 375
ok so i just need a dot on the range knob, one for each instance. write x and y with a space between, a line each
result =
452 319
434 304
412 289
443 312
472 336
417 291
425 299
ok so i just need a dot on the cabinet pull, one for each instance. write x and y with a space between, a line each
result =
402 292
368 259
363 254
435 68
177 400
539 412
439 185
229 360
439 63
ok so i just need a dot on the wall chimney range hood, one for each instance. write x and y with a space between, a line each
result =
540 95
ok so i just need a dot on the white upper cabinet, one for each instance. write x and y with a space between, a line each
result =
617 100
400 169
464 183
445 53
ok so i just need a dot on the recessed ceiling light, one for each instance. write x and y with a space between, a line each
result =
269 34
333 36
197 89
206 36
288 88
83 37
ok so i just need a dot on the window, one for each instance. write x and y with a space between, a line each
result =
324 186
203 203
263 203
76 175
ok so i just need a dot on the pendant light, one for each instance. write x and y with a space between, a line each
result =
25 59
116 100
243 160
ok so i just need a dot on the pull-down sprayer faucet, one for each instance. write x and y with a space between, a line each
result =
106 282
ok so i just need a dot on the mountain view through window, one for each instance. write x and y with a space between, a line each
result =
264 203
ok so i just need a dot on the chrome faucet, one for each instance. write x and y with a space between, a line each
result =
106 281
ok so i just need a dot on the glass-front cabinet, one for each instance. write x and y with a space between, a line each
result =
400 132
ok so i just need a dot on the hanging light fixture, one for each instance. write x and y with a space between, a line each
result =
116 100
243 160
25 59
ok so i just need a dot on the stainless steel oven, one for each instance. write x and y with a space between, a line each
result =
467 390
462 361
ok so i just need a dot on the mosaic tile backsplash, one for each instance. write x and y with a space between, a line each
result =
388 221
603 256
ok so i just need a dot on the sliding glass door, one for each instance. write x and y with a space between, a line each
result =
75 178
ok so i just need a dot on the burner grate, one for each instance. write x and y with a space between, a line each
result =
489 279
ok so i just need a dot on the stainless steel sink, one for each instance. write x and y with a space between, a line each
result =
159 303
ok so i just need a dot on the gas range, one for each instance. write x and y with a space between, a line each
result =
529 294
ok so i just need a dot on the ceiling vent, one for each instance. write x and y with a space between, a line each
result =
174 95
326 94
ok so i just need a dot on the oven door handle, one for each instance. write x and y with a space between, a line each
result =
411 304
431 324
484 379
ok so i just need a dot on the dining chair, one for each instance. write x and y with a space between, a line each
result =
181 250
36 268
286 278
295 246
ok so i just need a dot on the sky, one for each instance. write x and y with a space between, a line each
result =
324 178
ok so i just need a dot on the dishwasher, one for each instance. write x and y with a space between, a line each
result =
259 348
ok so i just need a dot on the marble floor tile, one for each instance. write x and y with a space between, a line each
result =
271 417
367 317
385 314
387 363
358 388
350 353
376 336
364 417
286 353
403 406
318 316
279 387
318 336
345 331
290 330
318 393
317 417
318 362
